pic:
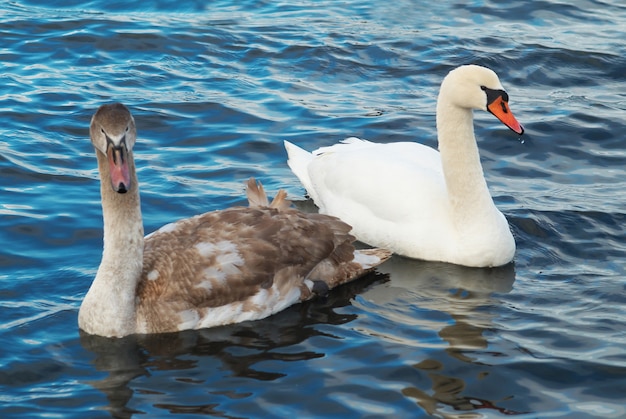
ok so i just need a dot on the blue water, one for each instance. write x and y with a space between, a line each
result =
215 87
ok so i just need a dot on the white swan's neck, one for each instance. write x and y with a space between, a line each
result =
467 188
109 306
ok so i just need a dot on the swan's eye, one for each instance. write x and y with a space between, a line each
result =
483 88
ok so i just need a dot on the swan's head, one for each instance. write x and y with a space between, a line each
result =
113 134
476 87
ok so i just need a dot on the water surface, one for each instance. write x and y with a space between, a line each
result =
215 88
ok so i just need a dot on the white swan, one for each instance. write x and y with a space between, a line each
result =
213 269
411 199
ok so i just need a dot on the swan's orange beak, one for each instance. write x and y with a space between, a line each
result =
500 109
118 167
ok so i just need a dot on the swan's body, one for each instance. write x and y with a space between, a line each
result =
216 268
412 199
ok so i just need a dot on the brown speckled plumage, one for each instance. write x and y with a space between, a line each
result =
220 267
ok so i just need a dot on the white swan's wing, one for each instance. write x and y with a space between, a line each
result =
393 195
390 181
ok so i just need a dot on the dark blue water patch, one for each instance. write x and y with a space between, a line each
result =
600 382
543 13
53 7
561 68
549 235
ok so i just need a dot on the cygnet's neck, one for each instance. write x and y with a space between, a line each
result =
109 306
467 188
123 224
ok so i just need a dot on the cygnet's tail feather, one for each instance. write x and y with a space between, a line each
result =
371 258
257 198
335 273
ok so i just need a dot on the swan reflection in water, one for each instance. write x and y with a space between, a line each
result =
434 313
223 355
466 295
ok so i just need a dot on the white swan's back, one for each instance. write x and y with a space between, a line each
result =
365 204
